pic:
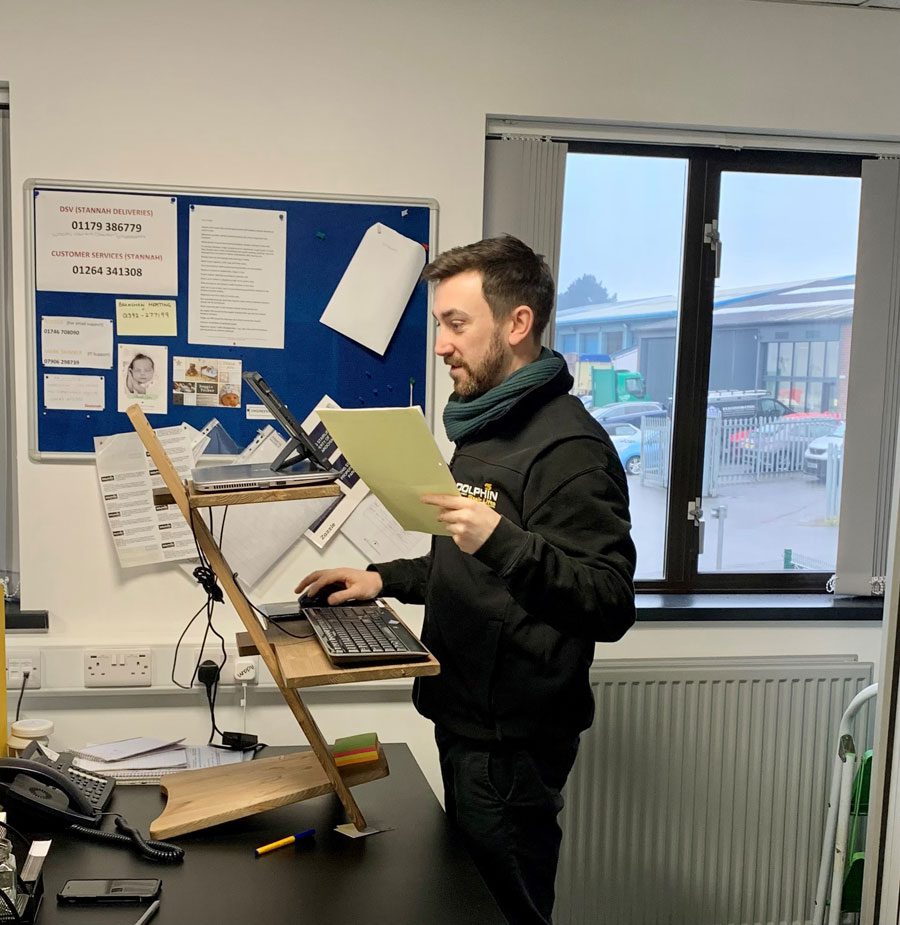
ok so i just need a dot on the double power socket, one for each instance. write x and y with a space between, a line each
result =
125 667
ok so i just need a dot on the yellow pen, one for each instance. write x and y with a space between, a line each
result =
306 833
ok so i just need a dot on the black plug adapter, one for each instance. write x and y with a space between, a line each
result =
208 673
240 741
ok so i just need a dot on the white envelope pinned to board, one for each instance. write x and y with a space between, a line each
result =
375 288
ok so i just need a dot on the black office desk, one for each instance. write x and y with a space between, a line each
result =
418 874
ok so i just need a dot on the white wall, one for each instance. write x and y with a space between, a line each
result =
385 99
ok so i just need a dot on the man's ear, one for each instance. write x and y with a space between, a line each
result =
521 323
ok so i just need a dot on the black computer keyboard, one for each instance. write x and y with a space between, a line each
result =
363 633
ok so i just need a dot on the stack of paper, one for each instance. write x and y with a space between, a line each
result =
144 760
358 749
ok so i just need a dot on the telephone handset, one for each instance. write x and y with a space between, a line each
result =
37 789
55 793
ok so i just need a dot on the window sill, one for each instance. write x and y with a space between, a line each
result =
25 621
753 608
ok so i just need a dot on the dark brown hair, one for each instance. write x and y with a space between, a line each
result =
512 275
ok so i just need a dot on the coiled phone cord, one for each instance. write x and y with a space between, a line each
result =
128 836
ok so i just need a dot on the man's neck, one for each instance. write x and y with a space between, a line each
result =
522 359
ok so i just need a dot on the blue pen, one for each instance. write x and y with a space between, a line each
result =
306 833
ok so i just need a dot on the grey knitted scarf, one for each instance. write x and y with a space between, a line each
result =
464 417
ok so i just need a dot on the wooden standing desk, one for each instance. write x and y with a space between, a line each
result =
199 801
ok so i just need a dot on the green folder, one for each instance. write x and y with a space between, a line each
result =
394 453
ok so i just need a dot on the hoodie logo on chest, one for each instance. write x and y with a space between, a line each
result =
486 495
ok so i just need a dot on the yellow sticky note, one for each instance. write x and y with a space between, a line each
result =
146 316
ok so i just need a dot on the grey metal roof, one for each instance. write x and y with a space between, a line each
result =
827 299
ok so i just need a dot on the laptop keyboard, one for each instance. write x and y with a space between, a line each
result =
363 632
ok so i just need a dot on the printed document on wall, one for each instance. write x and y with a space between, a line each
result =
106 242
236 272
322 530
76 343
376 287
73 393
376 534
143 533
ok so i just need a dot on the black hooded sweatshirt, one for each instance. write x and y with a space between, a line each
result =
514 625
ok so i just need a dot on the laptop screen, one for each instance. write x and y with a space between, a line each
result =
282 414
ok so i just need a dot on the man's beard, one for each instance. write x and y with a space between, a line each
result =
492 370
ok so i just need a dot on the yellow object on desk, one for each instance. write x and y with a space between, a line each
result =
282 842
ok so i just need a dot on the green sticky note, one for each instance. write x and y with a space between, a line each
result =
363 740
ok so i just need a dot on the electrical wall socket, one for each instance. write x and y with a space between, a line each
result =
19 661
118 667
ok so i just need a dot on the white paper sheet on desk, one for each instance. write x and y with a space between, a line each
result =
256 536
123 749
376 287
198 756
167 758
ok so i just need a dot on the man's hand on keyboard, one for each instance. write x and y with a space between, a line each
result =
342 584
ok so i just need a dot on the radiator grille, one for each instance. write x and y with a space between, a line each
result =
699 794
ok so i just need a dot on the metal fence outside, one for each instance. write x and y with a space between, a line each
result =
748 449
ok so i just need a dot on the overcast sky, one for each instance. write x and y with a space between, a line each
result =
623 218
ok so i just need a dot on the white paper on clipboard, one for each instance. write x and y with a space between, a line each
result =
375 288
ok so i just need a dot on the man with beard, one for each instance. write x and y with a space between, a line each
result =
538 566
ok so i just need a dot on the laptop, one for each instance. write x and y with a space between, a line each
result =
301 462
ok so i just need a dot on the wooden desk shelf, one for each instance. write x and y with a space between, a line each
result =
202 798
303 663
254 496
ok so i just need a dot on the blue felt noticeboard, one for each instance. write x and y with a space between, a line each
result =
322 236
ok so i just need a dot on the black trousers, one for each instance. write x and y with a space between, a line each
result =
505 797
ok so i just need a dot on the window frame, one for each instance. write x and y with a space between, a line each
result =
693 344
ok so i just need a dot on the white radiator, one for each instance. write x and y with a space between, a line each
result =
699 793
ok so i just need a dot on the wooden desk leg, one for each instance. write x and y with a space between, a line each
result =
210 549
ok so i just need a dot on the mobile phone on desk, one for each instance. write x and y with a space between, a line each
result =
103 892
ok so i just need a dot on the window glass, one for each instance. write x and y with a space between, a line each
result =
770 334
613 342
801 359
831 359
771 489
817 358
588 343
785 358
611 202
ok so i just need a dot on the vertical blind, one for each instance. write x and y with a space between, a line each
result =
523 196
873 392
